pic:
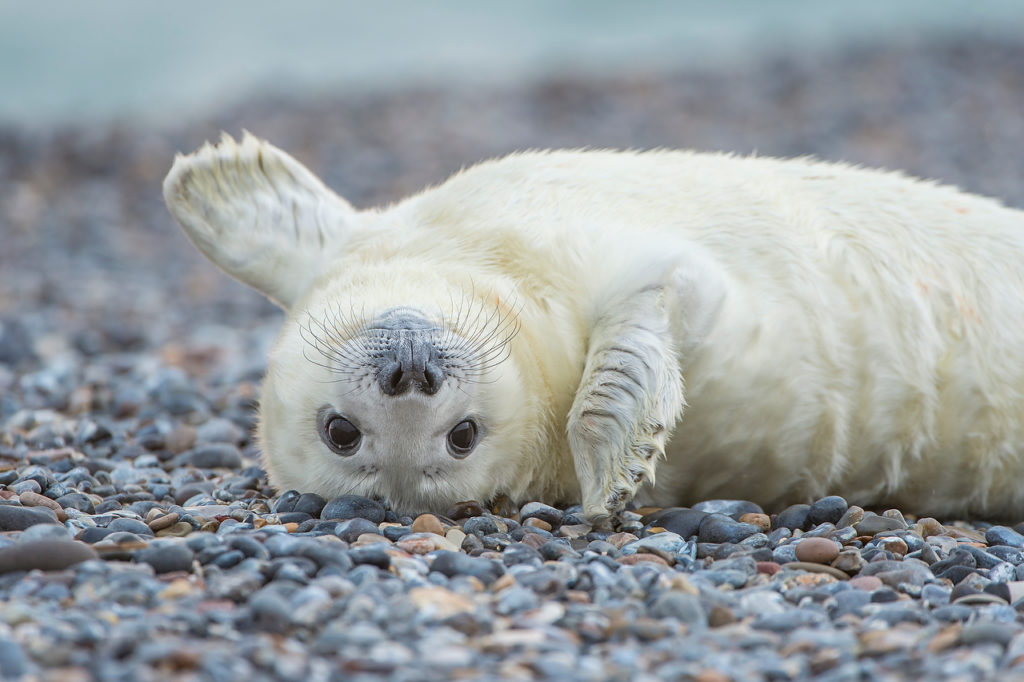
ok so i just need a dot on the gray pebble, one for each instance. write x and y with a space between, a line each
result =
13 517
166 556
681 606
721 528
353 507
212 456
46 555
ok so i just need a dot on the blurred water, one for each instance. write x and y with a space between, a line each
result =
120 58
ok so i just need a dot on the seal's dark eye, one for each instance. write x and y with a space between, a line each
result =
341 435
462 438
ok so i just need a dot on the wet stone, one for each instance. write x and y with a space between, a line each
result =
353 507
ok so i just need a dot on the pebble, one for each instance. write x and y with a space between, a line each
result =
19 518
353 507
719 528
45 555
166 557
212 456
817 550
427 523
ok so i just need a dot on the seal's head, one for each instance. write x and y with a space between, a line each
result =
406 405
395 374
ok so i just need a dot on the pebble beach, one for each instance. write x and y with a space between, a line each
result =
140 539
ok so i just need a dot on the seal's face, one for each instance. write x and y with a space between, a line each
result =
402 406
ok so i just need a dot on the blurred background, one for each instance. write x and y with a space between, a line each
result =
384 98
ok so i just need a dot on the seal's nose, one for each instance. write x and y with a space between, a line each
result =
413 363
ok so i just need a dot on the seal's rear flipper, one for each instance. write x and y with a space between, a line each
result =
258 214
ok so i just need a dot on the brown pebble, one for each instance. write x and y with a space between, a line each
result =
816 568
893 544
31 499
617 540
534 540
945 638
817 550
465 510
762 521
928 527
574 531
709 675
165 521
852 516
849 560
369 539
537 523
666 556
768 567
634 559
720 616
868 583
420 545
181 438
291 527
427 523
180 529
506 580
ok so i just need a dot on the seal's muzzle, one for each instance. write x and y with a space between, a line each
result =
407 356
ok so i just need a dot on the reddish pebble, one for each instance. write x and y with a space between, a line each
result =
817 550
762 521
428 523
868 583
768 567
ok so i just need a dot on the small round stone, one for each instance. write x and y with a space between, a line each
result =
427 523
353 507
817 550
827 510
309 503
793 517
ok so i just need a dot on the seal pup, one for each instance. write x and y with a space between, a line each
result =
538 326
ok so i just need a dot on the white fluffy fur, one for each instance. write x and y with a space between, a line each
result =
828 329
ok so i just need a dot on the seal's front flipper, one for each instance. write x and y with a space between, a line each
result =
631 393
258 214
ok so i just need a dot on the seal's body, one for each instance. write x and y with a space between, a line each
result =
540 325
